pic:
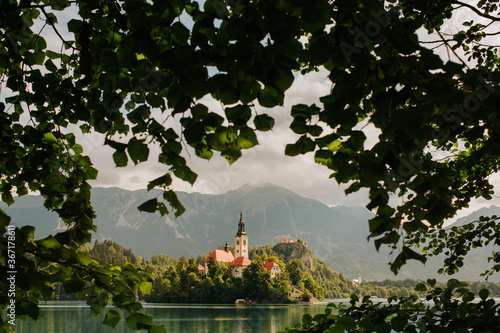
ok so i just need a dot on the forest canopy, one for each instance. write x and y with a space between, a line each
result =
121 63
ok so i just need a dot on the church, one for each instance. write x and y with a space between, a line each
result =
240 260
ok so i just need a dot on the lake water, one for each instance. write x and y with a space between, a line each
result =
74 317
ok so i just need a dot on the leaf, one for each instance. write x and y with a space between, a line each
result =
346 323
4 221
174 201
468 297
398 323
145 287
120 158
29 308
163 181
148 206
270 97
298 125
302 146
112 318
420 287
49 137
462 310
239 114
247 138
158 329
307 319
138 150
263 122
483 294
49 242
185 173
137 321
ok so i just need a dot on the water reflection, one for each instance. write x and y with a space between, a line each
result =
75 317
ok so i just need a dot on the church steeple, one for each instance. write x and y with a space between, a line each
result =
241 240
241 226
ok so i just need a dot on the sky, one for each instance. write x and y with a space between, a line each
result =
263 164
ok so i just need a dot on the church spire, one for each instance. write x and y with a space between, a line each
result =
241 226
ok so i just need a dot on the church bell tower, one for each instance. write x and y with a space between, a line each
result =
241 240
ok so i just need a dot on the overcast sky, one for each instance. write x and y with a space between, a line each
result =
266 163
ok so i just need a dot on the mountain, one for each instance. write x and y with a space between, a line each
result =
474 216
336 235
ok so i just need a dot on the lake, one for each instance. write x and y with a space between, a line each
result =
74 317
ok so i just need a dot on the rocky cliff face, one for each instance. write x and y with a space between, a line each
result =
292 251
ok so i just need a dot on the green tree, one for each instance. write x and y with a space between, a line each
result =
295 271
257 281
125 66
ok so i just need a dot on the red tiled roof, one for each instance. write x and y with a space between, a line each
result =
241 261
220 256
270 265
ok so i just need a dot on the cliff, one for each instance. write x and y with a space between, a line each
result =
292 251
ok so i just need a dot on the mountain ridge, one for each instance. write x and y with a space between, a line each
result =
336 235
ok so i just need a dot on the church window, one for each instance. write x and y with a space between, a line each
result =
244 242
237 242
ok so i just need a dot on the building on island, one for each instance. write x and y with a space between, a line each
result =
274 268
289 241
240 260
357 281
241 240
238 265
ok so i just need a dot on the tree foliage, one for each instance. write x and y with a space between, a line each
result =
451 308
129 68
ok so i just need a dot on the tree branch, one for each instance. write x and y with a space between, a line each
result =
475 10
55 29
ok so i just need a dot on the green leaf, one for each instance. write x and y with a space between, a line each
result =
263 122
74 285
307 319
138 150
462 310
247 138
112 318
4 221
420 287
75 26
120 158
148 206
49 137
302 146
163 181
398 323
7 198
185 173
137 321
483 294
468 297
145 287
158 329
299 125
49 242
29 308
270 97
174 201
346 323
239 114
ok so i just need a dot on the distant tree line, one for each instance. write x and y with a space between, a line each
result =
179 281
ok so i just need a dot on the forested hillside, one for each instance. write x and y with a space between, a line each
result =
179 281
